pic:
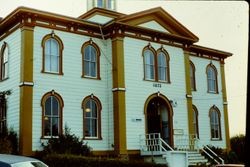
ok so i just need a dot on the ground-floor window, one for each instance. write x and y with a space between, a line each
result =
52 105
91 117
215 123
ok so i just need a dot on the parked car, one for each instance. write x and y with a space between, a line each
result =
230 165
7 160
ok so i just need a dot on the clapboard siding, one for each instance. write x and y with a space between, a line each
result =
138 90
72 87
12 83
204 101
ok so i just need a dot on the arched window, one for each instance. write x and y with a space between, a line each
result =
52 54
149 63
52 105
192 76
91 60
156 64
91 117
163 66
215 125
4 61
212 79
195 122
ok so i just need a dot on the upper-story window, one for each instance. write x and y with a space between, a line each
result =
149 64
91 60
156 64
212 79
215 126
192 76
52 105
4 61
163 65
52 54
91 117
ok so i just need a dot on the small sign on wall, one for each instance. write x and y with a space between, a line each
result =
157 85
178 131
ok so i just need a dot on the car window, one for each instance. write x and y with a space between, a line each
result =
29 164
38 164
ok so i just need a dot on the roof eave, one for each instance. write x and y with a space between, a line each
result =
210 51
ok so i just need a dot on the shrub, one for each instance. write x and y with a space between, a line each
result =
8 142
238 146
66 144
56 160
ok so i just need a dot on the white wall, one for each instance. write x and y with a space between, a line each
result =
14 43
73 88
204 101
138 90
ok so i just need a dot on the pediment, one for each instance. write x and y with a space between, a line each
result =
154 26
159 20
100 15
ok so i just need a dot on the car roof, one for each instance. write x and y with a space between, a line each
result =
11 159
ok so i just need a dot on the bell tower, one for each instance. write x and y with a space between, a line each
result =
106 4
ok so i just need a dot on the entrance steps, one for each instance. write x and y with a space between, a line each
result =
195 159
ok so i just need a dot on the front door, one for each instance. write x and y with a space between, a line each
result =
158 119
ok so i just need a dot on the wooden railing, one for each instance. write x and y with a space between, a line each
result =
186 142
212 155
153 144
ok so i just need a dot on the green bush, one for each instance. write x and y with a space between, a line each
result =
238 146
66 144
64 160
8 142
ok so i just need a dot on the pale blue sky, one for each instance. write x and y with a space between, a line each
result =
220 25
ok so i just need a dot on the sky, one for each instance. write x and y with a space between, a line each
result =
221 25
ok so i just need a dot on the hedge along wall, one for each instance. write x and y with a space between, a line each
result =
62 160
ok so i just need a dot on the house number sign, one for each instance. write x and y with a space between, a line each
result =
157 85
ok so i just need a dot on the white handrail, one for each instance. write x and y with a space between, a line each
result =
210 156
166 144
154 143
222 161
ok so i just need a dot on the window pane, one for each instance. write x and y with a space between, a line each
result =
47 125
162 59
93 54
149 64
87 128
55 125
162 73
48 106
55 107
94 128
54 50
93 69
86 68
54 63
47 47
100 3
94 109
87 53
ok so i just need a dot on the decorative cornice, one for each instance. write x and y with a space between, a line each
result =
23 16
